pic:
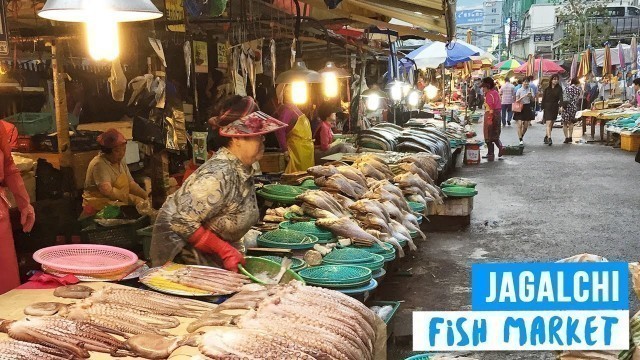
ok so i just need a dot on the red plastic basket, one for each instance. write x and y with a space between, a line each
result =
85 259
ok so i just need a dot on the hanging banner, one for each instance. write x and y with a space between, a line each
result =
200 56
4 32
174 11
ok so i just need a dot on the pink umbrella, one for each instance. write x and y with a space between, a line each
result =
548 67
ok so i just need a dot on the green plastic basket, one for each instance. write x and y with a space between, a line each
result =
375 264
349 256
256 265
336 275
283 190
287 239
445 185
32 123
419 357
402 242
309 227
296 263
309 184
287 200
416 206
388 255
459 191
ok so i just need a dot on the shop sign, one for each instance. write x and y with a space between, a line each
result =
542 37
201 56
174 11
4 31
466 17
514 28
223 62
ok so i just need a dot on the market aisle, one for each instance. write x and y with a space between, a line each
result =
551 203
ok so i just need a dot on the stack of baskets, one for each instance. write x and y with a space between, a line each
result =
87 262
287 239
283 194
388 254
355 256
337 276
310 228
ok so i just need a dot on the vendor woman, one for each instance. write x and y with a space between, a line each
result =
323 134
108 180
296 139
204 221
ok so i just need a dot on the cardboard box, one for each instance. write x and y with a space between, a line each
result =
272 163
452 207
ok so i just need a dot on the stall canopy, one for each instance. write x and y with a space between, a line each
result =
548 67
447 54
614 54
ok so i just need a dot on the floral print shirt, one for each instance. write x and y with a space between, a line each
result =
219 195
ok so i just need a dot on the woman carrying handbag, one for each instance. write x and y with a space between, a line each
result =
524 97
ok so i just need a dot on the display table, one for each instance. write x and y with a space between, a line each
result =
13 303
602 116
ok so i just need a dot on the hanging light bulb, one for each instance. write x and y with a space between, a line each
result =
373 102
299 92
406 89
431 91
414 98
101 18
396 91
330 84
102 37
513 79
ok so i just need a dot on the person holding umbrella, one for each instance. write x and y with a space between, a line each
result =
551 99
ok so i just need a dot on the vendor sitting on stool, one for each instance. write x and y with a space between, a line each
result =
323 135
108 180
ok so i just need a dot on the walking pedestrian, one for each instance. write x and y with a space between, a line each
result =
525 116
551 99
508 94
570 108
491 124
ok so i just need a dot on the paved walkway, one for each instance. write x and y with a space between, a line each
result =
553 202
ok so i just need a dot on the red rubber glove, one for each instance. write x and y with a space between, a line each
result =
208 242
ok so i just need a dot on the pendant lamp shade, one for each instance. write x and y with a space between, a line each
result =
81 10
331 67
299 73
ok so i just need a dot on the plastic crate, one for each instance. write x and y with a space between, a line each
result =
629 142
391 320
144 235
513 150
32 123
124 236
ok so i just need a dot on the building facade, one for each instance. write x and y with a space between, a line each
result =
535 32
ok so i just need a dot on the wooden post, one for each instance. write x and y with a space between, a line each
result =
62 121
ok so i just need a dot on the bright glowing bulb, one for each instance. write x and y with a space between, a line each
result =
330 84
299 92
535 82
431 91
513 79
396 91
413 99
582 80
406 89
373 102
102 37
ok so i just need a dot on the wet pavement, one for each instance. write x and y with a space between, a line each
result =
550 203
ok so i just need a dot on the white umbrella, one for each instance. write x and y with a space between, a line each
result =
438 53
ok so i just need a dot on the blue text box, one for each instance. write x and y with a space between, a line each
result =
550 286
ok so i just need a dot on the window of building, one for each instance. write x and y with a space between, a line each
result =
493 21
615 11
494 10
634 11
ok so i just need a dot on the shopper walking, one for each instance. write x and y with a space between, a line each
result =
508 95
524 117
551 99
570 108
491 124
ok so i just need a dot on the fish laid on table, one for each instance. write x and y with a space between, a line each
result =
22 350
353 174
343 200
377 162
150 301
370 171
324 201
348 228
217 281
382 194
407 218
425 161
365 206
339 182
323 170
410 179
317 212
415 169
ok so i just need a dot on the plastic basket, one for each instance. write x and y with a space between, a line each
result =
124 236
144 235
349 256
296 263
336 275
514 150
32 123
256 265
394 304
85 259
283 190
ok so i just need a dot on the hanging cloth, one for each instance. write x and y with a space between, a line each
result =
117 81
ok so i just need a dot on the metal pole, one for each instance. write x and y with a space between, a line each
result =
62 121
444 112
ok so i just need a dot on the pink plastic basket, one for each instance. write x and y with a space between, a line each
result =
85 259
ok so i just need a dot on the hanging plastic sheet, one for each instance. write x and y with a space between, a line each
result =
186 48
272 48
176 131
156 44
117 81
